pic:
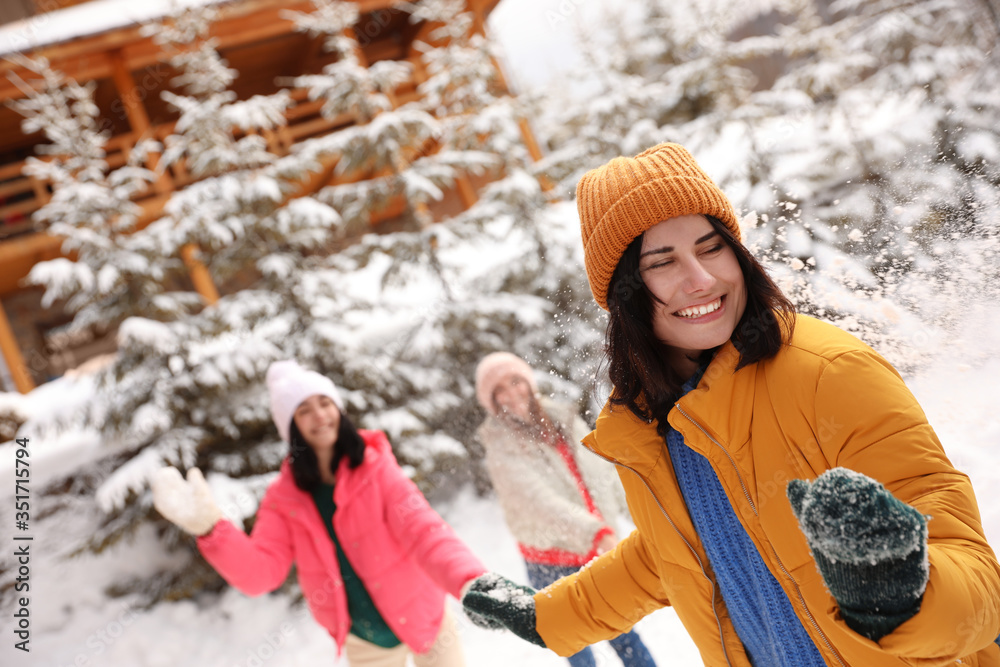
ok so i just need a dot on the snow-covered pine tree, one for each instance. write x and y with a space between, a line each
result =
189 392
401 338
858 133
185 387
879 109
384 142
641 76
535 306
245 205
415 370
464 89
116 274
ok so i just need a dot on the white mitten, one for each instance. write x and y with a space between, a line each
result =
188 505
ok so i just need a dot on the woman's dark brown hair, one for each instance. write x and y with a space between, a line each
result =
643 381
305 465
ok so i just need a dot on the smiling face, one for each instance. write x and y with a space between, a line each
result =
318 420
687 265
513 396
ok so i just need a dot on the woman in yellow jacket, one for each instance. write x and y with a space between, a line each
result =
791 501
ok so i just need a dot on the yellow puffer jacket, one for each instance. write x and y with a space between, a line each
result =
825 400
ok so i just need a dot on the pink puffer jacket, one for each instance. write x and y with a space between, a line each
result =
403 551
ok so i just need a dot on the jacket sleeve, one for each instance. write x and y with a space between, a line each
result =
867 420
422 533
254 564
602 600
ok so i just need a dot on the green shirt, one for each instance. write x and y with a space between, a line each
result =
366 621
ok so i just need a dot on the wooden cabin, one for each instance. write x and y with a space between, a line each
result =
94 40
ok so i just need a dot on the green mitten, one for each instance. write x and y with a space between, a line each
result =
870 547
493 601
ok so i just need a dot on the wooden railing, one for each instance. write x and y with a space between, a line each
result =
43 6
21 195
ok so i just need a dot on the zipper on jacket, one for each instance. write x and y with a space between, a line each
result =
753 507
724 451
718 621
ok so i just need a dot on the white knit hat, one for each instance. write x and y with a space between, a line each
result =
288 384
495 367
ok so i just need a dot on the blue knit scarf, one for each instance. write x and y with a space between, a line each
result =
762 614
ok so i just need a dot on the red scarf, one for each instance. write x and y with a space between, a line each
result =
561 556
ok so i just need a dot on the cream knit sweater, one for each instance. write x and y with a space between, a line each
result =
537 492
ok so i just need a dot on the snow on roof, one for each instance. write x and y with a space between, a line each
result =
86 20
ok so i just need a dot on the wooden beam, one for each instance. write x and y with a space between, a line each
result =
466 191
88 58
118 53
138 119
482 7
529 140
19 254
312 55
12 355
73 48
24 207
129 94
92 68
237 23
15 187
478 18
200 276
385 49
394 208
358 53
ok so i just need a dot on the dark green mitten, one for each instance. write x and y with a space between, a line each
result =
870 547
493 601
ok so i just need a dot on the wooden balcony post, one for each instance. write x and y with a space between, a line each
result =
12 355
479 26
135 110
41 192
466 191
200 276
358 53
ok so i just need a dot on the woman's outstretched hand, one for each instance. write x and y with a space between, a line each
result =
187 504
870 547
494 602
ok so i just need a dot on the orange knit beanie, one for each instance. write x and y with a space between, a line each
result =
625 197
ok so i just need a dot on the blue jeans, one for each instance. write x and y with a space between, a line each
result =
628 646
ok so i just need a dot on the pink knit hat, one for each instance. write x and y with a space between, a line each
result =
495 367
288 384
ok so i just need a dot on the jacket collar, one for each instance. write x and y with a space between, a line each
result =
719 408
285 490
376 447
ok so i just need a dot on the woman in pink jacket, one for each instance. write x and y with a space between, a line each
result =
374 560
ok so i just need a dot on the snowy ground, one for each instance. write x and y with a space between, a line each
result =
75 624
